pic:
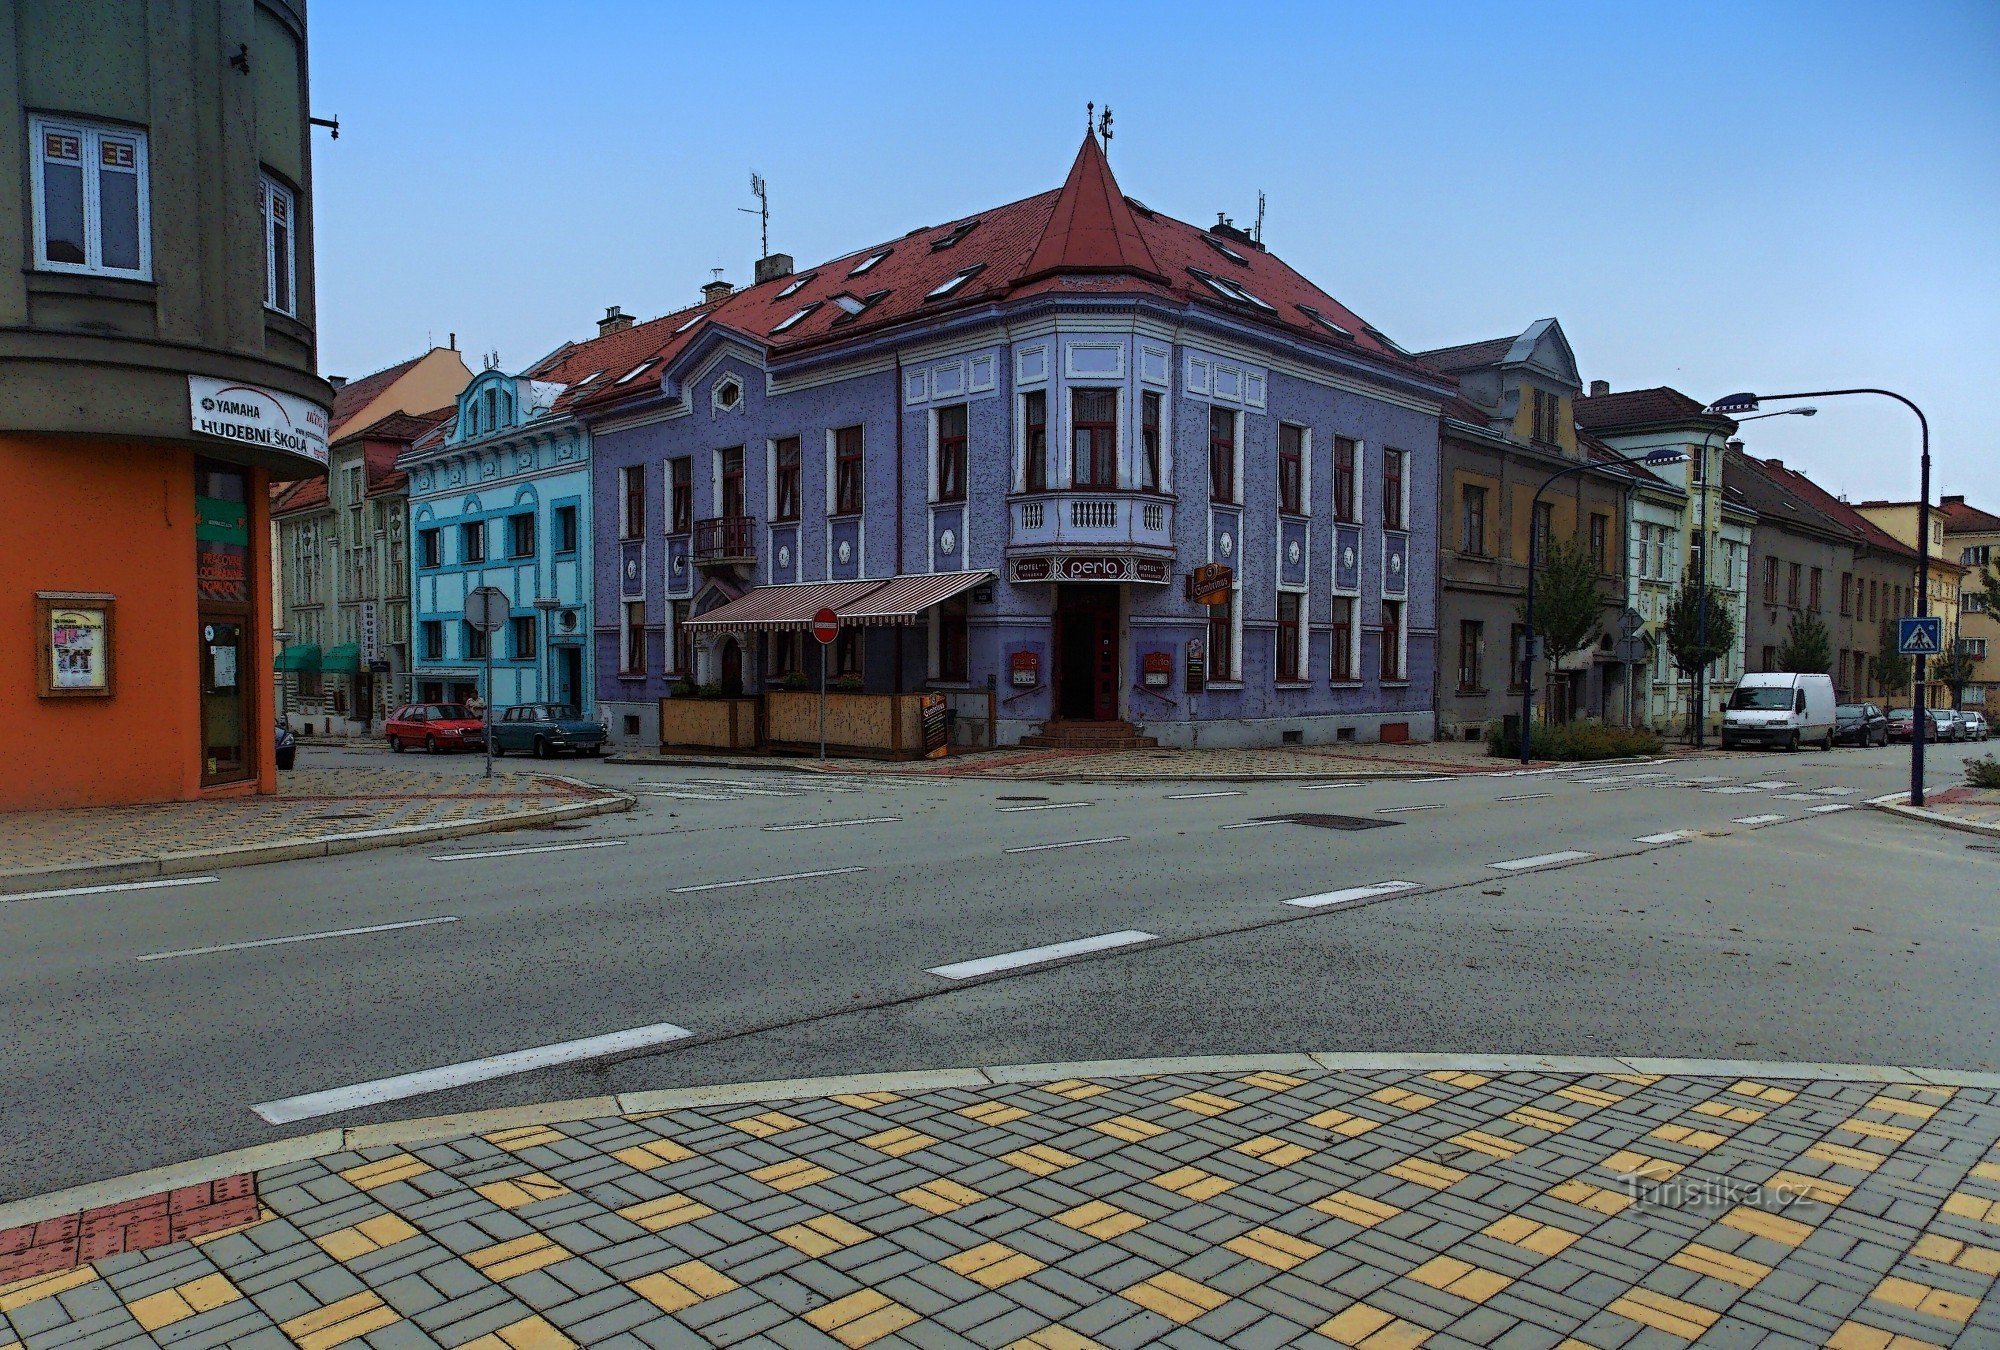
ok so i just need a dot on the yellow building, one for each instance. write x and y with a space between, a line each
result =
1972 539
1901 519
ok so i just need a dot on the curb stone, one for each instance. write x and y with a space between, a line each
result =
321 1143
244 855
767 764
1897 804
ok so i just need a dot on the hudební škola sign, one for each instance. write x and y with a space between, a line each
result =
252 415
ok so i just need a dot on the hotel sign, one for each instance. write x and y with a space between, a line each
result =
250 414
1087 567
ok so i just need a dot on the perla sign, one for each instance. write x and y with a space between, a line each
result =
257 416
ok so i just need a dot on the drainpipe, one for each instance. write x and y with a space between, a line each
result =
896 402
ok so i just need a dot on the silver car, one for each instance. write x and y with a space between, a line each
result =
1972 726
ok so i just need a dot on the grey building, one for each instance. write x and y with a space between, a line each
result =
1800 559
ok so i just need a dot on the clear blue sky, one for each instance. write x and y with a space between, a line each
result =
1766 195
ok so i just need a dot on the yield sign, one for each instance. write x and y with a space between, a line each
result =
1919 637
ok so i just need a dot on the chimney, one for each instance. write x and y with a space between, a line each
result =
615 320
1599 388
1949 500
772 266
337 381
717 289
1737 446
1776 463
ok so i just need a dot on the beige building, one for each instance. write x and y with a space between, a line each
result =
1901 519
1972 538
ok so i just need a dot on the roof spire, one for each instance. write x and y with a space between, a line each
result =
1091 228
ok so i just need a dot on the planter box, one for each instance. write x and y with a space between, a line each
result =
708 723
890 725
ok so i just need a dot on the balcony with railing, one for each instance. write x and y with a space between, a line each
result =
1134 523
722 540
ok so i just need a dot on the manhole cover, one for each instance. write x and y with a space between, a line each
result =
1320 820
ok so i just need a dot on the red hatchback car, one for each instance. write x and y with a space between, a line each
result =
435 727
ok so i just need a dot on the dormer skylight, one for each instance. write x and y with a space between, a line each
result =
796 285
637 370
952 283
868 263
795 317
1140 207
587 379
1328 324
958 232
852 307
1386 341
1225 250
850 303
690 323
1229 290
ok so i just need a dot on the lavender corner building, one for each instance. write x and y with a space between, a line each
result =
1081 467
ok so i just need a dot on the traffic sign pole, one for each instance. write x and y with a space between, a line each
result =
486 610
825 628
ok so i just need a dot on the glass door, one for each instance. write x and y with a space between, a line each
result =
223 559
225 736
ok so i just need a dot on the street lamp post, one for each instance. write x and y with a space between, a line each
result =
1736 403
283 638
1654 457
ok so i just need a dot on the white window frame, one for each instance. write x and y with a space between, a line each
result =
90 139
269 190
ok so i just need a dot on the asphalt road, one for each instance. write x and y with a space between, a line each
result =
793 925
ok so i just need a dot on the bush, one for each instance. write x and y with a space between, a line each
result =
795 680
1983 773
845 684
1578 740
708 691
681 688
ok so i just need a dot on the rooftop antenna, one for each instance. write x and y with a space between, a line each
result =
762 210
1257 231
1104 128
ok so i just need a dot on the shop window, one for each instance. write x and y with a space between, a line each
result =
848 652
952 640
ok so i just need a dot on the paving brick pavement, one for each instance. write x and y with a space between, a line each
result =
311 804
1250 1210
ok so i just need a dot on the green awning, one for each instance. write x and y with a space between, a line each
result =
303 659
342 660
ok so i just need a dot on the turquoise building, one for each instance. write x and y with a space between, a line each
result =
500 496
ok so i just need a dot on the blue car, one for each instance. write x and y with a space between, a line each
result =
544 729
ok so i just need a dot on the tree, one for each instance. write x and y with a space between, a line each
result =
1807 648
1988 586
1568 605
1691 645
1891 667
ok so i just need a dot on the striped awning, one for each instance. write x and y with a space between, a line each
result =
896 601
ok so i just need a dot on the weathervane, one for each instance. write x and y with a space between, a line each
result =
1104 126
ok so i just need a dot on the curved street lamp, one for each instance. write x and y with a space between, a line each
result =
1733 404
1652 457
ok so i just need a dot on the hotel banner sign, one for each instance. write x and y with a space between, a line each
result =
1087 567
250 414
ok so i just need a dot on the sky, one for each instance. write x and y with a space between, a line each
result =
1764 196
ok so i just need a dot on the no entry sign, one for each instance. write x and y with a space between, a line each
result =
826 626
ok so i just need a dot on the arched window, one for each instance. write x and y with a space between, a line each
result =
492 407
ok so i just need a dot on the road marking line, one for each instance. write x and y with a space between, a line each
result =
1539 860
301 937
1034 956
1606 778
832 824
1416 782
1727 791
1773 784
744 790
1646 775
1397 810
690 796
1315 787
758 881
1525 797
1253 824
1834 792
527 848
307 1105
106 890
1797 797
1831 806
1351 894
1197 796
1074 843
1757 820
1669 837
1045 806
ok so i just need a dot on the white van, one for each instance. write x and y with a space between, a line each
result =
1780 708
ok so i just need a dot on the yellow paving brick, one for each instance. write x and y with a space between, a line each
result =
1924 1298
1966 1205
520 1192
516 1256
1055 1337
346 1244
1462 1278
1638 1079
1270 1149
899 1141
368 1176
658 1153
1596 1199
1426 1173
863 1101
1686 1320
1742 1115
338 1323
1555 1122
680 1287
992 1113
160 1310
1987 1171
1627 1163
526 1136
665 1211
818 1236
1403 1099
1192 1183
1589 1096
34 1289
1342 1122
1844 1156
1722 1265
1756 1222
1268 1246
1541 1238
1700 1141
1362 1210
533 1333
1899 1106
1040 1159
1076 1089
1492 1145
1101 1219
861 1318
1372 1329
1979 1260
767 1123
790 1175
1763 1092
1458 1078
1809 1188
1271 1081
940 1196
1206 1103
1129 1128
1174 1297
1895 1134
1857 1336
992 1264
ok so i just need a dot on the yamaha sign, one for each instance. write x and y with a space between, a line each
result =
253 415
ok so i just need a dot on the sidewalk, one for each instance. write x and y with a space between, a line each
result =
315 812
1251 1203
1965 808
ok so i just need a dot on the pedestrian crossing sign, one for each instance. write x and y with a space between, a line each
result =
1919 637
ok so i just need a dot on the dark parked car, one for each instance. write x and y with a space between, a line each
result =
1860 724
288 747
543 729
1901 720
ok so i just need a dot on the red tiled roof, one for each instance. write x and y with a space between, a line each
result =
354 396
1634 407
1467 355
1960 518
1091 229
1827 504
1763 488
382 441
